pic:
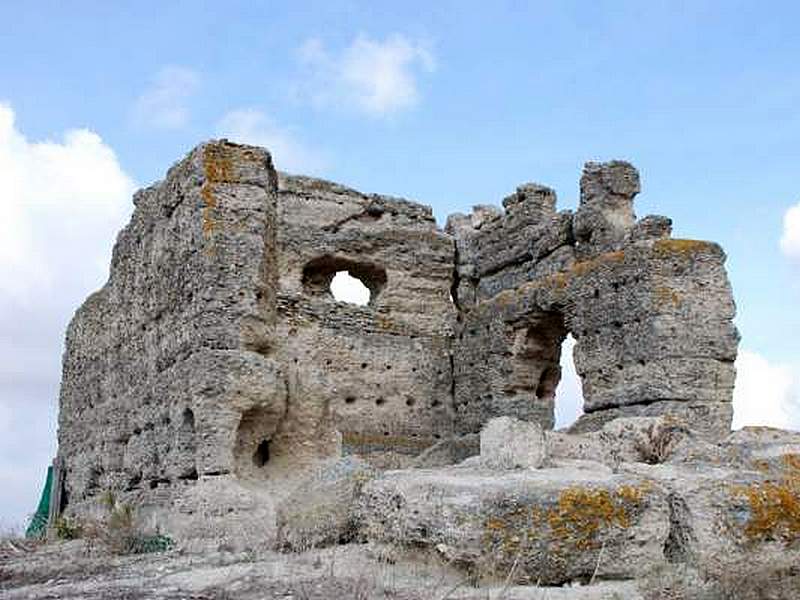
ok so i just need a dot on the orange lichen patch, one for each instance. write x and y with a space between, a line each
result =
687 248
774 510
762 465
774 505
217 168
558 281
574 522
218 163
664 295
581 268
791 462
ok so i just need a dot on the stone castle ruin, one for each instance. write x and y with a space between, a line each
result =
215 369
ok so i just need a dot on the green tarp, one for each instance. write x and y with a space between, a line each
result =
38 523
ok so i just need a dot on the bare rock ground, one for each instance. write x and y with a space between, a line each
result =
71 570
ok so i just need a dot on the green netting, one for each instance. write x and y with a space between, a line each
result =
38 523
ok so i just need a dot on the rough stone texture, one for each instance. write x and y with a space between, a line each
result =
553 524
217 348
67 571
163 362
214 369
649 491
449 452
508 443
652 317
382 372
319 512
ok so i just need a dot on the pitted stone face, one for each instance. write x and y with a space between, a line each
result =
216 349
605 216
652 317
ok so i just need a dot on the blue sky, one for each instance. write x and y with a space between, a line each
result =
452 105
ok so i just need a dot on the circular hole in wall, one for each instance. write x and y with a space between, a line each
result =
380 401
349 400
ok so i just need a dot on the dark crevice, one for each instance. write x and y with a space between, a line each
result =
681 537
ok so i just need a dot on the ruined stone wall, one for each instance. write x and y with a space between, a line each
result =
652 316
382 371
215 357
216 348
161 363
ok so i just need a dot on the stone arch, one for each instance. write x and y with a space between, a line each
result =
535 363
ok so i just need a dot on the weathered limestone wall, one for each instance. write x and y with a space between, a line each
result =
161 363
381 371
215 363
652 316
216 348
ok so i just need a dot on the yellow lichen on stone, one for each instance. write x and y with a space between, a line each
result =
217 168
775 505
582 268
664 295
687 248
574 522
791 462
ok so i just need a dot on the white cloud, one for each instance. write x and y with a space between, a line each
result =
63 202
372 76
164 104
790 242
251 126
765 393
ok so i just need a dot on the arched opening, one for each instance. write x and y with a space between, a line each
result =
343 279
569 393
346 288
537 345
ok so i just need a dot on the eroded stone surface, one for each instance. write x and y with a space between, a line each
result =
215 370
508 443
553 524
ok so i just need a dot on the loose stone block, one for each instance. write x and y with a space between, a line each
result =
508 443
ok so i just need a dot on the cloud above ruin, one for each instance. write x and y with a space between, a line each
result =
766 393
252 126
375 77
63 202
165 102
790 241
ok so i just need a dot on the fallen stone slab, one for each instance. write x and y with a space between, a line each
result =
547 527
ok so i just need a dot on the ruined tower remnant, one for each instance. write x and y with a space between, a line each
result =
216 352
